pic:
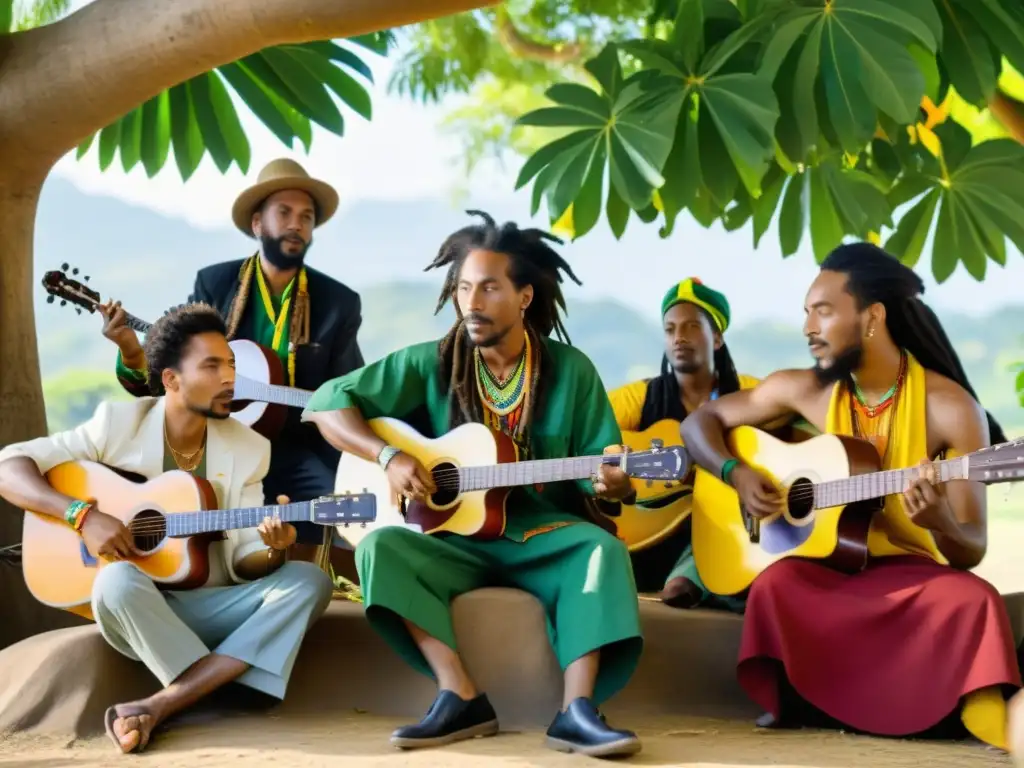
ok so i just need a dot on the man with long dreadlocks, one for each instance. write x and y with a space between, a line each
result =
272 298
497 366
913 644
696 368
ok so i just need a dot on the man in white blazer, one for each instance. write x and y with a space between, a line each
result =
247 623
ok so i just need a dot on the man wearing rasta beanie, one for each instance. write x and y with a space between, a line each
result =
696 368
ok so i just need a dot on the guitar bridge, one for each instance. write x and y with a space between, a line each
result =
752 526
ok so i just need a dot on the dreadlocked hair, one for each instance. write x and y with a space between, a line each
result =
531 262
874 276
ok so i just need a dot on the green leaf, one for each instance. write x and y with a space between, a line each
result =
156 133
586 209
967 55
688 32
782 42
617 212
185 135
849 106
344 85
206 120
230 125
955 141
638 125
765 205
84 147
896 16
957 234
804 102
6 16
1003 29
682 169
131 139
110 137
908 240
792 217
256 98
546 154
334 52
826 227
316 103
744 110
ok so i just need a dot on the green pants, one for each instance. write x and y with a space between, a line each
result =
580 573
686 567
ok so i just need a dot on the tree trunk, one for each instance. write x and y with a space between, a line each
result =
122 52
22 415
1010 113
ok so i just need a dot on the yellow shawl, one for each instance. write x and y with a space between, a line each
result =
892 532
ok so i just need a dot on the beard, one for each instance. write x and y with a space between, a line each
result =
273 251
842 367
492 337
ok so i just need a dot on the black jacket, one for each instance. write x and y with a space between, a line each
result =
335 317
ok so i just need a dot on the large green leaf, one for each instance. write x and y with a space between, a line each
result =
980 202
629 126
855 62
6 15
286 87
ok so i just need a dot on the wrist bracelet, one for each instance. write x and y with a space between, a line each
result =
727 468
76 513
387 453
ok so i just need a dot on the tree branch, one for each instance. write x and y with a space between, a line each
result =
62 82
1010 113
519 45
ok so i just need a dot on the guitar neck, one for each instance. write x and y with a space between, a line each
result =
141 326
876 485
533 472
180 524
251 389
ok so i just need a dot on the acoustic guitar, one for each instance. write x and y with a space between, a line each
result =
173 519
261 398
831 486
474 468
661 506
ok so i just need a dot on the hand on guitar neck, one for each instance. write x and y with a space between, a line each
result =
116 328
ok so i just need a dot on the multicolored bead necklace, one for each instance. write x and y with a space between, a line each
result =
503 398
887 399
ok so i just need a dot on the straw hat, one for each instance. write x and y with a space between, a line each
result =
276 176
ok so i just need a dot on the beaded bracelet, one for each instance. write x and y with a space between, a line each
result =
76 513
727 467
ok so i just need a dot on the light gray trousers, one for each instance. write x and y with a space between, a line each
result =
261 623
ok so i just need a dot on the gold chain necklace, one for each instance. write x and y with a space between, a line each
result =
185 462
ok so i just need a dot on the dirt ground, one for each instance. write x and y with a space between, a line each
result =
360 741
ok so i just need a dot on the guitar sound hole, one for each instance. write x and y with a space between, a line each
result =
149 528
446 478
800 499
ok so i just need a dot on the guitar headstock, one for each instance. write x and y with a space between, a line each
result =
59 284
999 463
344 509
659 463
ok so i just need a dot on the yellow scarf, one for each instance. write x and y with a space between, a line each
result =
892 532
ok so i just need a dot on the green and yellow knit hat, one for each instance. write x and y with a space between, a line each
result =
693 291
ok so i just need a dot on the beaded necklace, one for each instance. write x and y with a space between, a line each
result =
503 399
874 423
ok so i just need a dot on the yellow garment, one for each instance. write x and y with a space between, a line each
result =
892 533
628 401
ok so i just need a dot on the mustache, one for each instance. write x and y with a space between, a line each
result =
227 394
475 318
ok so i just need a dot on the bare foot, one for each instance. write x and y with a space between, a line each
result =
129 725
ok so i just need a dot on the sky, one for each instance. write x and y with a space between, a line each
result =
402 155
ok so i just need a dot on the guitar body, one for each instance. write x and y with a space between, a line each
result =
478 514
661 505
262 365
727 558
59 570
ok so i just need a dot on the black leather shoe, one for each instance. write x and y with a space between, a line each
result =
449 719
582 729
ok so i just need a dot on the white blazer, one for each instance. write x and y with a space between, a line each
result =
129 436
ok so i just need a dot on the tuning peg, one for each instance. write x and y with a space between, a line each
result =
49 299
74 271
78 311
65 266
63 302
86 278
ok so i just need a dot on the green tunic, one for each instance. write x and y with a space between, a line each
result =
578 571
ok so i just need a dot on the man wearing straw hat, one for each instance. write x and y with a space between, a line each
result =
272 298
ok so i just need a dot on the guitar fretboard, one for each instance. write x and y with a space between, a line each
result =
250 389
836 493
141 326
531 472
208 520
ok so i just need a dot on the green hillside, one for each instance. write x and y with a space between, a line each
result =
623 344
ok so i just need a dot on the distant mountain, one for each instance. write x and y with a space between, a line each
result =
623 345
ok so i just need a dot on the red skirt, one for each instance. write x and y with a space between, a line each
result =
889 651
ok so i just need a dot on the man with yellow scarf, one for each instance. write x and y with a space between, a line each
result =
272 298
914 644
